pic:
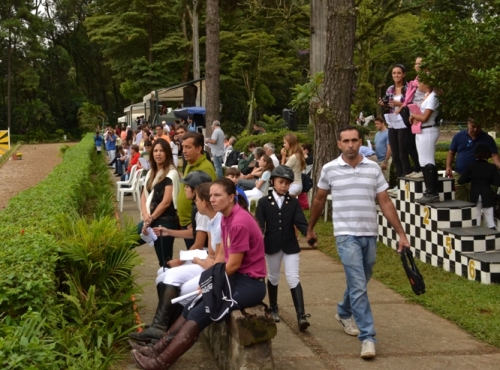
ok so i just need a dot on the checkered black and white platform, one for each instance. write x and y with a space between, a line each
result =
444 234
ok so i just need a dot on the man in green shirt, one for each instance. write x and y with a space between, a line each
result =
192 148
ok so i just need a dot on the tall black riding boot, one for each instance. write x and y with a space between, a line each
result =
162 315
431 194
298 302
272 292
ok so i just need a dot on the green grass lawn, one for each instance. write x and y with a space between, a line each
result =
473 306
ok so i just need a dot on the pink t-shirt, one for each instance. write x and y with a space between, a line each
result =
241 234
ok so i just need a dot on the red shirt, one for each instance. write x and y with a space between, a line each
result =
133 161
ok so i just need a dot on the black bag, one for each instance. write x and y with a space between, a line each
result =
307 183
232 158
414 276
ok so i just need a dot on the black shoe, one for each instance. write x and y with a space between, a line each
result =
274 313
118 175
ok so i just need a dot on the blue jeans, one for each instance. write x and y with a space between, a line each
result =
218 166
357 254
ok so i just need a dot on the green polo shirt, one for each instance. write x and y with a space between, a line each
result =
184 204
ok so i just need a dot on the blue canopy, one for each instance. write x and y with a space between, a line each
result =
186 112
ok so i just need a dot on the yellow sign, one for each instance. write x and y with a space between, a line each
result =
4 141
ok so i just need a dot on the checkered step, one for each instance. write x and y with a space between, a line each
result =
411 189
444 234
474 239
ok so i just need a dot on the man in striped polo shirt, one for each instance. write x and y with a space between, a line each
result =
355 183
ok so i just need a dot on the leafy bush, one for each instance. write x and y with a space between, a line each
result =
65 296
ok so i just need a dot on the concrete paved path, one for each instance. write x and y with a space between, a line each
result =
409 337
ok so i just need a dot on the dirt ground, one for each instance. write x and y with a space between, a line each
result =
38 161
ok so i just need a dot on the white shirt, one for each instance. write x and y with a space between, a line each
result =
279 199
276 162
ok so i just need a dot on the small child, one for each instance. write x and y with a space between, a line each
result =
233 174
278 214
482 175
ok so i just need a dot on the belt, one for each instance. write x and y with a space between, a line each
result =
428 126
255 278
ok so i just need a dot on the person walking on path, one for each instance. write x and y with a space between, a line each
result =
192 148
216 145
382 148
482 175
355 183
278 214
463 145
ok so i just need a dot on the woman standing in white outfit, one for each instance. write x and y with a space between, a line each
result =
426 142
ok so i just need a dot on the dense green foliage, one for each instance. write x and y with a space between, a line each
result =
99 56
65 296
462 59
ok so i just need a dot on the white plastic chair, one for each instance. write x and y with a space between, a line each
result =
134 189
328 200
126 183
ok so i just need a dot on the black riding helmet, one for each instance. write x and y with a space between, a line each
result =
195 178
282 171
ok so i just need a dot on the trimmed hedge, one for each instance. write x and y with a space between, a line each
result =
29 253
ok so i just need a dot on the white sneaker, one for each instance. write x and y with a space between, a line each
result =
417 175
410 175
367 349
349 325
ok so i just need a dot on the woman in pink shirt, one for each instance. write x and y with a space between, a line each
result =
245 265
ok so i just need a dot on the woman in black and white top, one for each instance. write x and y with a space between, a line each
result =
157 199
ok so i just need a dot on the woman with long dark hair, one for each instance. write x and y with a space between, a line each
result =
398 137
245 265
157 205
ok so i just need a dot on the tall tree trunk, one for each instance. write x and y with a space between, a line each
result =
332 111
212 23
196 42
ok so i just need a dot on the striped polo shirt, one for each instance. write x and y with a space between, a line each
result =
353 195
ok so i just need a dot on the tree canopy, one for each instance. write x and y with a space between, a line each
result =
59 54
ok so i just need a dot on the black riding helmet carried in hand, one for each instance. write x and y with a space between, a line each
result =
282 171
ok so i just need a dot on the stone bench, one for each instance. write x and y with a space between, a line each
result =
243 341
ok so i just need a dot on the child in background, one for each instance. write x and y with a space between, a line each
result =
261 185
233 174
278 213
482 175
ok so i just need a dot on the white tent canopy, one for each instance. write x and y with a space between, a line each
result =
122 119
136 108
176 93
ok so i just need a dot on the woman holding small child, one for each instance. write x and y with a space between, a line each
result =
424 125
